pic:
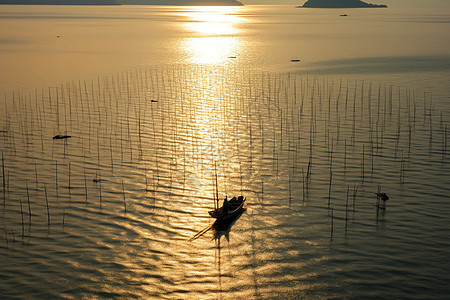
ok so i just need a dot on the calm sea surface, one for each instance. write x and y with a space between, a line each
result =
158 100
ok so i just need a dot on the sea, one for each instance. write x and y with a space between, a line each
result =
121 127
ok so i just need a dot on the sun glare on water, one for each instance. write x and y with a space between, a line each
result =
214 34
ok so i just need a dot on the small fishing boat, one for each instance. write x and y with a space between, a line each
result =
235 207
60 137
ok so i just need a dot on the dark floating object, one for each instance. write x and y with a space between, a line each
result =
57 36
231 56
235 206
154 101
60 137
295 60
343 15
382 196
96 180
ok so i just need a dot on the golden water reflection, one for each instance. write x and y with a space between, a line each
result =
213 50
214 32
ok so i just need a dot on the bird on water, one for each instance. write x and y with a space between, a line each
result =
382 196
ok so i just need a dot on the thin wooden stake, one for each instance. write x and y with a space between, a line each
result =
332 224
36 174
346 209
46 202
85 186
303 185
290 191
362 164
29 206
56 179
4 180
355 191
69 176
262 189
21 213
217 186
124 199
100 188
329 189
6 238
345 155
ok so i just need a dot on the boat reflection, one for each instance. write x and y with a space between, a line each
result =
223 227
220 227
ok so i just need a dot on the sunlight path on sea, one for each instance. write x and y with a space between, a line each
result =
116 205
213 34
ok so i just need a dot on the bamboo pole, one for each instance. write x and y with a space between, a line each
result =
329 189
36 174
332 224
303 184
56 179
378 202
346 209
46 202
355 191
69 176
4 179
29 206
217 186
124 199
362 164
85 186
100 189
6 238
21 213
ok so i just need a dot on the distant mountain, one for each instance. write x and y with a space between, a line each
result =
339 4
61 2
121 2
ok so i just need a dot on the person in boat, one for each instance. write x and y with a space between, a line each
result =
226 206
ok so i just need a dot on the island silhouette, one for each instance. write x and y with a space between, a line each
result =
121 2
339 4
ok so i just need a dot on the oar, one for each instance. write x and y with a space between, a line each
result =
217 186
200 233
